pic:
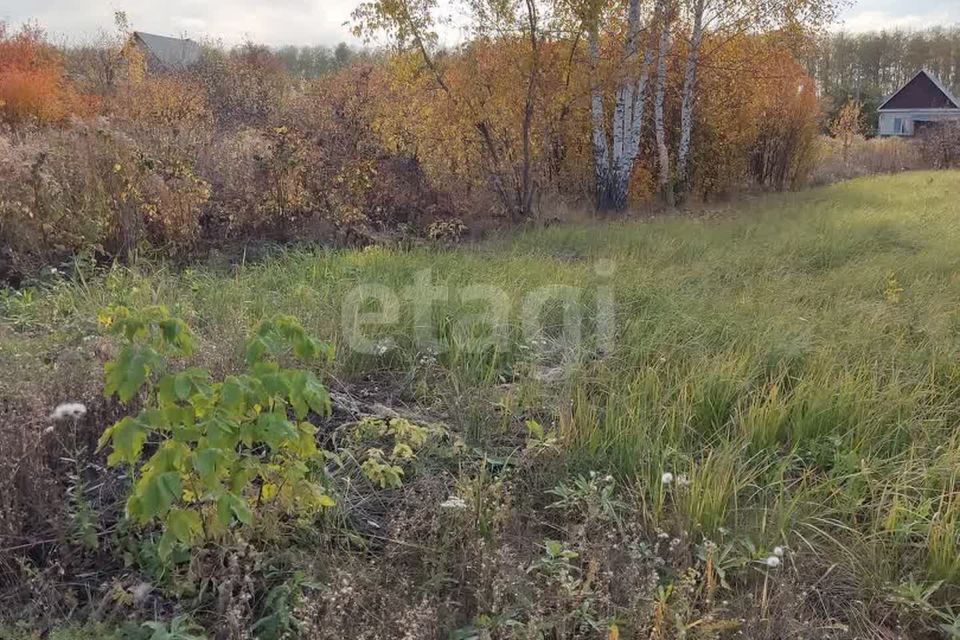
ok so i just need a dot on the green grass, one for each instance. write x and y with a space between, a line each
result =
796 357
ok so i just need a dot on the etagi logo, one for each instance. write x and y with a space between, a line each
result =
374 316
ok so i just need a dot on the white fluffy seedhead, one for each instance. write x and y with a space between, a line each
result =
74 410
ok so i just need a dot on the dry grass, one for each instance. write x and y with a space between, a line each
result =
864 157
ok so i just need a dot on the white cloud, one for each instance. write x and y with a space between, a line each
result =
277 22
872 20
273 22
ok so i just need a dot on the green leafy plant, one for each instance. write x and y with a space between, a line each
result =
539 440
557 564
220 451
278 619
402 440
179 628
593 498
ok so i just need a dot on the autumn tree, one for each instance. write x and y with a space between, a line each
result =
615 153
411 26
846 126
33 85
728 19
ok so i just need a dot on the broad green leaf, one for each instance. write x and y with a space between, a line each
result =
165 548
206 463
316 395
176 334
184 524
242 473
230 506
127 437
222 433
256 349
182 386
165 392
232 394
155 494
274 429
296 381
126 374
172 455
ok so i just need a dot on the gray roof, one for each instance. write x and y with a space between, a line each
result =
172 53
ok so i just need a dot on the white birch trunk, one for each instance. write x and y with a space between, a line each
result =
601 153
664 177
614 161
632 97
689 95
623 114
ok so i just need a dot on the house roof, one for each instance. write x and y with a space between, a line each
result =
922 91
173 53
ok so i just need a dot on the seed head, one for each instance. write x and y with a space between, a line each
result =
66 410
453 502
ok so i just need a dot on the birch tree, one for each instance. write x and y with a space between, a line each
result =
664 177
726 19
689 83
615 154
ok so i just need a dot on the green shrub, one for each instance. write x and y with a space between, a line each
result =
219 452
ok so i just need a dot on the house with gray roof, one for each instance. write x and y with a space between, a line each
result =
166 54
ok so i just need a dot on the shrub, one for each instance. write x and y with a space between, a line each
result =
840 159
220 452
94 189
246 86
940 145
33 86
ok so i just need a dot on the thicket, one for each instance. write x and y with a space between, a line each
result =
100 159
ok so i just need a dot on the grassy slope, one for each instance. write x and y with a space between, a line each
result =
798 360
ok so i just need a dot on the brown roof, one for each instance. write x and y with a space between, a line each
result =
923 91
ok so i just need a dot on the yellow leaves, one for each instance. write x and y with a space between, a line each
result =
269 491
320 500
892 290
403 451
164 101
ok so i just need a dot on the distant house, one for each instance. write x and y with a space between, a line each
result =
921 101
166 54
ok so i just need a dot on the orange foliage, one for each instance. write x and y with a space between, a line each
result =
33 87
756 117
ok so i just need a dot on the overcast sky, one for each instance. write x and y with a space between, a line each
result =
302 22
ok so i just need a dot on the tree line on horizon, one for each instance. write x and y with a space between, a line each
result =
867 67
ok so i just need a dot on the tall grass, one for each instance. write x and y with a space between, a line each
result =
796 360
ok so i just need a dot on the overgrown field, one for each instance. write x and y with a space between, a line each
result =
777 412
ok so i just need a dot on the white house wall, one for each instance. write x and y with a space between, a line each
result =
885 125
